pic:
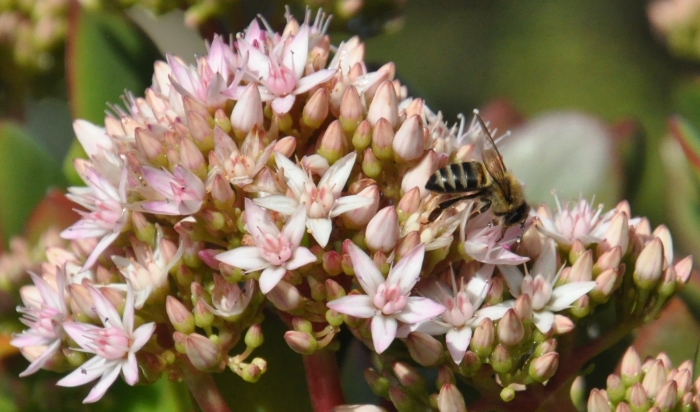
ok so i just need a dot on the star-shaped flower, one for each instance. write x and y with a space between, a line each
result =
322 201
387 301
274 252
539 284
177 193
114 345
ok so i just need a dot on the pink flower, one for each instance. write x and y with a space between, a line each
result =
242 165
462 313
568 223
546 298
387 300
281 71
228 300
322 201
179 193
483 242
106 216
114 345
274 252
44 314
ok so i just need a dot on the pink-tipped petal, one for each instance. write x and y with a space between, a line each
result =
306 83
407 271
270 277
104 383
282 105
302 256
366 271
565 295
296 225
359 306
457 341
130 369
283 204
543 321
320 229
338 174
419 309
383 332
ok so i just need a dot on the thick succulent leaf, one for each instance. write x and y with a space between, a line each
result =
26 171
106 54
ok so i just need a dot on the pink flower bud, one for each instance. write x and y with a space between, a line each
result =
316 109
408 376
362 137
408 143
638 398
604 286
285 146
384 105
631 367
483 338
247 112
331 263
284 296
400 399
80 302
371 166
654 379
350 110
333 144
358 218
597 402
301 342
667 397
222 193
409 203
608 260
201 129
582 270
418 175
616 235
222 121
383 230
510 329
501 361
450 399
414 108
615 390
150 146
180 317
382 138
684 269
544 367
407 244
562 325
192 158
647 269
523 307
423 348
663 234
203 353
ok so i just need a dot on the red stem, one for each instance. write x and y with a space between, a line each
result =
324 380
203 389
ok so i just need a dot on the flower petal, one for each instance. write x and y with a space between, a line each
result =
281 105
130 369
302 256
105 310
543 320
565 295
513 278
359 306
141 335
245 257
320 229
88 371
457 341
258 222
383 331
270 277
348 203
293 175
306 83
406 272
366 271
278 203
418 309
337 175
39 362
105 382
296 225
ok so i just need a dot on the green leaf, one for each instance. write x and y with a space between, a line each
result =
106 55
26 171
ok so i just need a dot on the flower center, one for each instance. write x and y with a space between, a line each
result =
389 299
275 249
458 310
110 343
539 290
281 81
318 201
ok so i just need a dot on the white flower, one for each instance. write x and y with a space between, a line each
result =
274 252
322 201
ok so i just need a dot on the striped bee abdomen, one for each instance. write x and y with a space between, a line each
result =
458 177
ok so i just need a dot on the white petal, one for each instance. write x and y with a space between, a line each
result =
244 257
383 332
348 203
337 175
359 306
293 175
565 295
278 203
141 335
130 369
281 105
427 326
457 341
320 229
406 272
101 387
302 256
366 271
88 371
258 222
102 245
543 320
297 51
106 312
492 312
513 278
419 309
306 83
296 226
39 362
270 277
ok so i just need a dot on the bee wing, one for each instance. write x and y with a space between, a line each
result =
493 161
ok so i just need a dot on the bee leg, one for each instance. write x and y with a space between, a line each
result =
442 206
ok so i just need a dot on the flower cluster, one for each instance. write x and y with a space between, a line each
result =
279 173
652 385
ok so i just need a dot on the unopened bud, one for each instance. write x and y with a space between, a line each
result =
667 396
254 336
409 204
251 373
470 364
450 399
604 286
654 379
562 325
501 361
358 218
382 138
631 368
180 317
408 376
482 341
247 112
638 398
284 296
510 329
371 166
377 383
301 342
444 375
384 105
616 235
577 249
316 109
523 307
382 231
333 144
582 270
202 316
331 263
408 143
362 137
615 389
423 348
597 402
350 110
543 368
285 146
608 260
202 352
145 231
647 269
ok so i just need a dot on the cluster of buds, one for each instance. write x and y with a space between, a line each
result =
32 31
654 385
271 176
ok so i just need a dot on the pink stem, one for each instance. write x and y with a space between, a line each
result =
324 380
203 389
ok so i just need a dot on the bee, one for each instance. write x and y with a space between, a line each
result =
489 182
